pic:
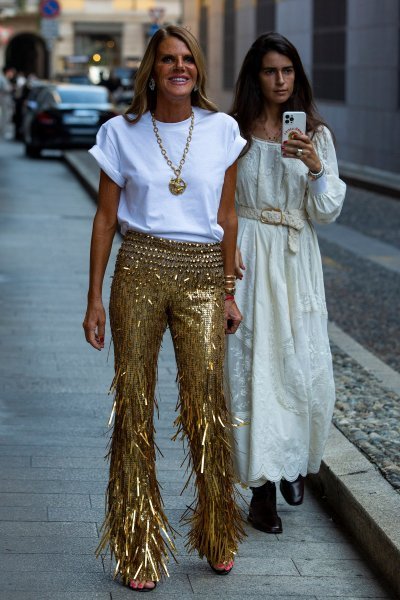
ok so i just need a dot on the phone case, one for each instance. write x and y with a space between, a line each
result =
293 122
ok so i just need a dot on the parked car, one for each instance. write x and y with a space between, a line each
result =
122 100
65 116
126 76
73 77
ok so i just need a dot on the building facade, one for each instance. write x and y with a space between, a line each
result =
351 52
116 31
94 35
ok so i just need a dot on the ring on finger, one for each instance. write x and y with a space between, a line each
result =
299 152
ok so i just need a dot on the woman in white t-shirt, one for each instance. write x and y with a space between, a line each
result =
168 174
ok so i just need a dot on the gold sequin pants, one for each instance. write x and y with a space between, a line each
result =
159 283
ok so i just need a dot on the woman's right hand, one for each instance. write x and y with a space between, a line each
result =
94 324
239 264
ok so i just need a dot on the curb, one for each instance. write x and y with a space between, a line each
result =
375 180
364 501
89 178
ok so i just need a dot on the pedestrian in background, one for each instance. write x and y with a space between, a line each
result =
279 366
6 100
172 192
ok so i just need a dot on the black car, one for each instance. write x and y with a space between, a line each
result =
65 116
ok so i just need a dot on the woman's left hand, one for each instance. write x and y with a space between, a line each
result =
302 148
233 316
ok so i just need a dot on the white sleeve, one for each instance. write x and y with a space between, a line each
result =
107 156
325 195
235 143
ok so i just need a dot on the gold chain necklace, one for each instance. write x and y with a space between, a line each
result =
176 185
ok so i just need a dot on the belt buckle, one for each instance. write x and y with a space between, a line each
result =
267 221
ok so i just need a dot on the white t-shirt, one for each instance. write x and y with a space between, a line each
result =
130 155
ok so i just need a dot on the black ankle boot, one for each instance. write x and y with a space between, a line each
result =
262 513
293 491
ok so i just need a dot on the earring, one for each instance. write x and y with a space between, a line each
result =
152 84
196 88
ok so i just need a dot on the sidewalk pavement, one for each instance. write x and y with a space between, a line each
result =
53 414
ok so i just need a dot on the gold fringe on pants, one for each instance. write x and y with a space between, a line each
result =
159 283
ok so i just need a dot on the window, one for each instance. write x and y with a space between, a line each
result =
398 70
229 49
265 16
203 26
329 49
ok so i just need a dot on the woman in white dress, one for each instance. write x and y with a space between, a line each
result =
279 365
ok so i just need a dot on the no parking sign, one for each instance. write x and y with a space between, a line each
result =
49 9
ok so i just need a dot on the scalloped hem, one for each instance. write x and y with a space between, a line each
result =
264 477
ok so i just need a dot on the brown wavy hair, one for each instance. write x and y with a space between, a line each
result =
248 103
144 98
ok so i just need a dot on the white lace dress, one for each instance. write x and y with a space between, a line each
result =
278 365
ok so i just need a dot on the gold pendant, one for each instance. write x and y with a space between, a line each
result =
177 186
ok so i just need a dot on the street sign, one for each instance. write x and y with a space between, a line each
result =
49 9
49 28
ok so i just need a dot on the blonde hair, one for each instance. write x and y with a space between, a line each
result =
145 99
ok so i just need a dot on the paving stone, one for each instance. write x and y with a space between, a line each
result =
333 568
271 547
63 582
39 500
42 426
289 586
15 461
16 513
30 529
317 534
55 595
53 451
76 515
52 439
55 544
49 563
67 474
86 462
51 487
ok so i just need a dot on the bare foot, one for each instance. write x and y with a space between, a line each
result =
135 584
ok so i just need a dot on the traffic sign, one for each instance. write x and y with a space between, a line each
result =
49 9
49 28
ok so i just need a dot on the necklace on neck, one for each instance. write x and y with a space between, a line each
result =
271 135
176 185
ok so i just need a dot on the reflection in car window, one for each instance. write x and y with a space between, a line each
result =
80 96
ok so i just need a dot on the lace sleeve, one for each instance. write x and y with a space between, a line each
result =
325 196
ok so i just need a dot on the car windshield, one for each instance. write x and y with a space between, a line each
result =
83 96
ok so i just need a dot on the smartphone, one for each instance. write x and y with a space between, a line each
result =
293 122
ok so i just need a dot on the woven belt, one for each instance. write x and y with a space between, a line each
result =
294 219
